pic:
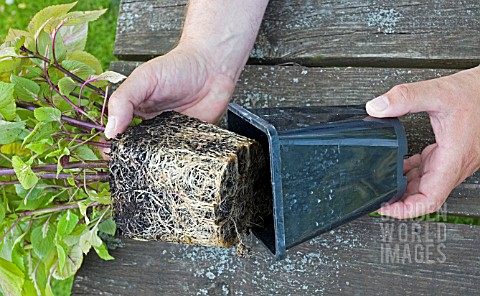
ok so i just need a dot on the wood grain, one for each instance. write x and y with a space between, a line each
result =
393 33
368 256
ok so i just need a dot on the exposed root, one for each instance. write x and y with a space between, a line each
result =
178 179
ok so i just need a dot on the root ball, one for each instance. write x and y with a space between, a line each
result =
178 179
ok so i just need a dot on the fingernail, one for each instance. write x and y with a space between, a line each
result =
110 128
378 104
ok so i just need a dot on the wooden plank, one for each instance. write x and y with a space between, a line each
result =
366 257
280 86
393 33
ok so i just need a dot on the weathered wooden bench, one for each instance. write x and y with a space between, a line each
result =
318 53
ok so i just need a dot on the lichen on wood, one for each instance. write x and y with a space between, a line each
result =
178 179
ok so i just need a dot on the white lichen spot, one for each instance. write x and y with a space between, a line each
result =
385 20
210 275
295 80
304 72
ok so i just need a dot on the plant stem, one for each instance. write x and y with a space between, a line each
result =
91 143
75 107
57 209
72 121
100 177
59 67
53 167
44 211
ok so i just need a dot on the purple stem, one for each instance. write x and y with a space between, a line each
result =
72 121
46 210
91 143
53 167
99 177
65 71
103 107
75 107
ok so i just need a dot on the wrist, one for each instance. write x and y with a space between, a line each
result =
219 56
223 32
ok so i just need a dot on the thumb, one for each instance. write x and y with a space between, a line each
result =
120 114
405 98
122 103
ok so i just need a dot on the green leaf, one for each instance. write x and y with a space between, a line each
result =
34 73
102 252
14 149
89 239
74 37
10 131
75 258
18 255
7 101
8 65
40 146
82 206
47 114
67 223
11 278
103 197
48 291
41 19
25 89
24 173
85 153
13 34
71 181
79 17
73 239
108 226
8 52
78 68
40 277
74 18
62 250
66 85
87 59
61 104
59 152
85 241
14 43
32 204
45 47
42 130
42 240
28 288
109 76
33 194
2 213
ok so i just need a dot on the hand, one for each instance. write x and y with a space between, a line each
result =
182 80
198 77
453 104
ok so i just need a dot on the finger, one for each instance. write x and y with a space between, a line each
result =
412 162
413 174
433 189
412 188
123 102
407 98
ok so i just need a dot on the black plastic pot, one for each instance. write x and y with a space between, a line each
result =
328 166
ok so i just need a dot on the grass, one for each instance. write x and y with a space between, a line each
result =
101 35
